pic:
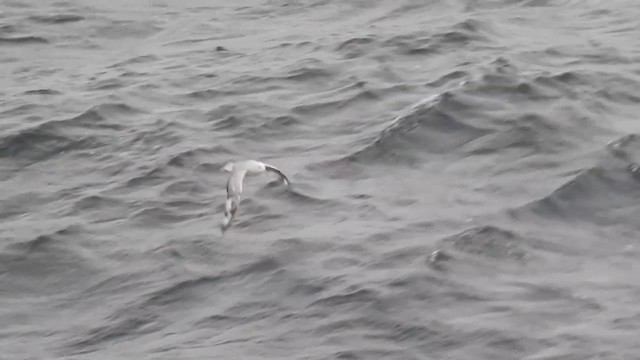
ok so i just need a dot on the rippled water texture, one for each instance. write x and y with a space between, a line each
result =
502 133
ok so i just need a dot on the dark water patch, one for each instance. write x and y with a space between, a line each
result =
208 94
240 315
422 43
598 193
203 287
617 88
218 321
620 97
142 59
405 256
157 216
627 322
565 84
125 29
427 127
517 137
489 241
283 126
464 33
503 81
280 122
324 108
343 168
228 123
510 89
188 42
549 293
101 116
298 196
114 284
117 328
298 45
23 109
8 59
415 44
45 264
54 137
43 142
23 40
262 265
221 111
259 84
107 84
254 218
149 177
16 4
189 205
96 201
42 92
342 263
307 70
100 208
20 204
195 157
184 187
207 168
353 299
181 291
8 29
428 337
447 78
241 115
530 132
56 19
133 74
162 134
356 47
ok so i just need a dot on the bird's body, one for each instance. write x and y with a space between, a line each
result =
238 171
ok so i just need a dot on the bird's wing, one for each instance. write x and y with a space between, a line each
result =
234 183
273 169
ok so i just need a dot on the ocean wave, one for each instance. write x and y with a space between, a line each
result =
43 142
598 193
57 18
450 197
99 208
148 313
427 127
23 40
488 241
57 136
46 264
468 120
42 92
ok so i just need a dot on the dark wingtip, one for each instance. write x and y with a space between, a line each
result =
281 175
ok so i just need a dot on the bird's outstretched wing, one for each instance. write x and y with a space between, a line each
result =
234 182
281 175
234 193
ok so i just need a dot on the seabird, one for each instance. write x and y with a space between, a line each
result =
237 171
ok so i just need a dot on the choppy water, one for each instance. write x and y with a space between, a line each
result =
503 133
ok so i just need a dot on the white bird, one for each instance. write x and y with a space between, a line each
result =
238 171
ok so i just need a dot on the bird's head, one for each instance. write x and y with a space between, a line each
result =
228 167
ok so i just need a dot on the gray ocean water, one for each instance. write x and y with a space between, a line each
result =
504 134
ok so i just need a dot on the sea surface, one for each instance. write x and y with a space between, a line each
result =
465 179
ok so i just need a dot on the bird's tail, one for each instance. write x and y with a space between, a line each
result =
230 209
